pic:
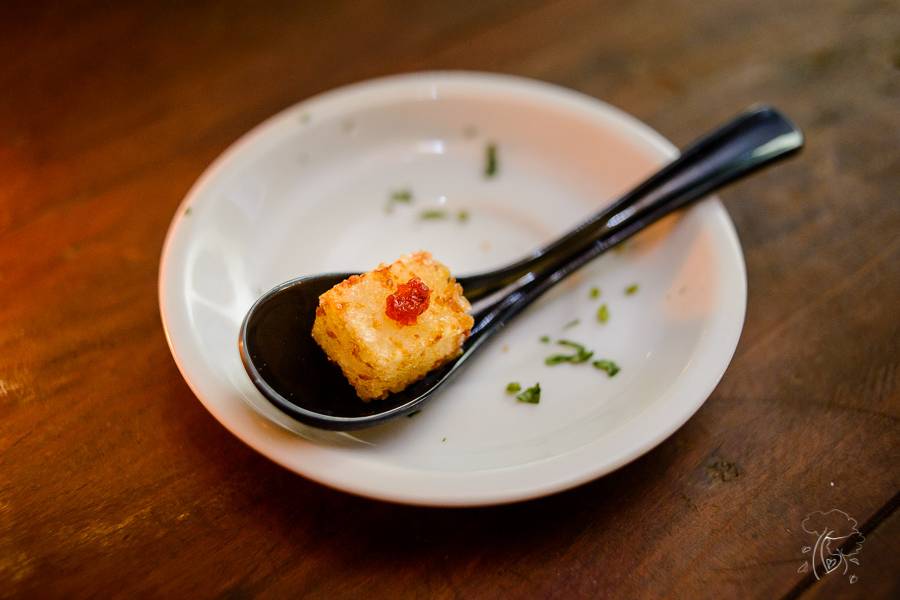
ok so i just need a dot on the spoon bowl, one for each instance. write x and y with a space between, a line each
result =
293 373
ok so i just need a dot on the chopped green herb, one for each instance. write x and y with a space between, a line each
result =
581 355
405 196
443 440
412 414
609 366
631 289
188 211
432 215
531 395
491 163
513 387
545 339
571 323
304 117
401 196
603 313
557 359
594 293
569 343
462 216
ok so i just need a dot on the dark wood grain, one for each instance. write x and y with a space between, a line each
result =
114 481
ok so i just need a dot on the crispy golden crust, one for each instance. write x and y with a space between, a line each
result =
377 354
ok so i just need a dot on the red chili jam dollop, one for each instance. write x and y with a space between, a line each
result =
408 302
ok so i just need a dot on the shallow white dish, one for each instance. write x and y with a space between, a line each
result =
306 192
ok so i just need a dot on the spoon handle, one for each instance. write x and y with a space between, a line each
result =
749 142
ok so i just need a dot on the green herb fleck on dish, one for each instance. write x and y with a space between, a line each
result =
491 162
581 355
571 324
401 196
412 414
443 440
594 293
432 215
631 289
513 387
603 313
462 216
531 395
545 339
556 359
188 211
404 196
305 117
609 366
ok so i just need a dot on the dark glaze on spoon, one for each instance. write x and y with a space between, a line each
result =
293 373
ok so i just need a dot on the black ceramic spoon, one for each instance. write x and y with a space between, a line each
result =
293 373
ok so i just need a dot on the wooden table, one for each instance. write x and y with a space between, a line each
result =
114 481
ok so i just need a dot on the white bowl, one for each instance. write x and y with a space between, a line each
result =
307 191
